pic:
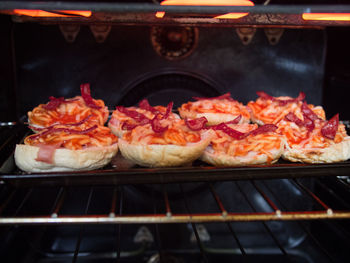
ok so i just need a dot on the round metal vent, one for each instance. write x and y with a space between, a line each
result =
162 88
174 42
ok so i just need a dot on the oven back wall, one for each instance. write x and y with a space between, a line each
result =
47 65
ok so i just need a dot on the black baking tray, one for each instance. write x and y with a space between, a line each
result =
121 172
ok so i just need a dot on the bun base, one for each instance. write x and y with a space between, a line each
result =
64 159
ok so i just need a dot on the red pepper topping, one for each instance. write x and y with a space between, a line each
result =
308 112
196 124
329 130
221 97
156 124
144 104
265 96
85 93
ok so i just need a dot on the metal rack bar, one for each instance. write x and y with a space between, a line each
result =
218 201
301 225
114 203
193 225
58 202
316 198
265 225
158 240
121 200
8 200
82 228
224 214
167 204
266 198
335 195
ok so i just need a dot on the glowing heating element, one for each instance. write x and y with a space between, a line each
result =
41 13
210 3
327 16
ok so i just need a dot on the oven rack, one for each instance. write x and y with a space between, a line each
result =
122 172
262 190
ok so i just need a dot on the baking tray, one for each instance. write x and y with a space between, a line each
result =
121 172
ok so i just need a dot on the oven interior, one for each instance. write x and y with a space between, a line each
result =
279 213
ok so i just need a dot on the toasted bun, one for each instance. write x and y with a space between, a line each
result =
213 118
252 158
64 159
164 155
335 153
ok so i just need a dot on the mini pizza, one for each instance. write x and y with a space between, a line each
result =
216 110
310 139
270 110
66 148
69 111
124 119
244 144
164 142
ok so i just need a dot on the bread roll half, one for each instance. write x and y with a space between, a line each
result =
252 158
334 153
64 159
154 155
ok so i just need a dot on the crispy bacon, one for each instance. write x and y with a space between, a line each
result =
329 130
128 126
265 96
156 124
293 118
85 93
144 104
196 124
235 120
221 97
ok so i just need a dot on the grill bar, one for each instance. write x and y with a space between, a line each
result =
59 202
267 199
114 203
82 228
309 192
218 201
305 229
265 225
158 240
167 204
200 245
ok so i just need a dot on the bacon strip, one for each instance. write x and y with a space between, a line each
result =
169 108
234 121
221 97
329 130
56 102
196 124
263 129
265 96
85 93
